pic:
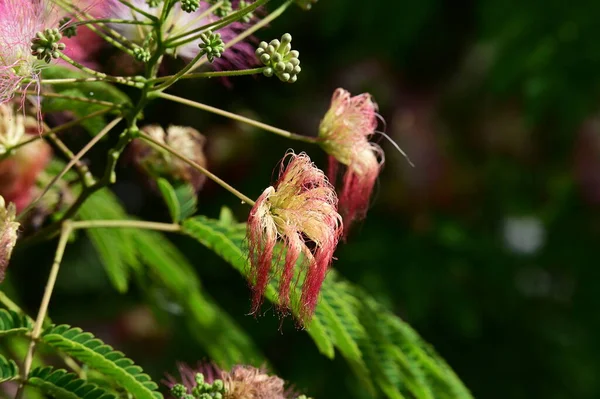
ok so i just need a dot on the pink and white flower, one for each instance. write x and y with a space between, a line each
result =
345 132
300 210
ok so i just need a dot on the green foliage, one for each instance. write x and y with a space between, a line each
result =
90 90
181 200
94 353
123 251
12 323
60 384
8 370
382 350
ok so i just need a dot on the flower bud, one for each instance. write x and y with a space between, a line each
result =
344 132
159 163
301 211
8 234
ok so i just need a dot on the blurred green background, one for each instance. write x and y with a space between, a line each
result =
487 246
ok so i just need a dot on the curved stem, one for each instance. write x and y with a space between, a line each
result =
173 79
112 21
199 168
100 75
139 10
239 118
132 224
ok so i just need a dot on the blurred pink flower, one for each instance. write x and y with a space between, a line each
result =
344 132
8 234
301 210
239 56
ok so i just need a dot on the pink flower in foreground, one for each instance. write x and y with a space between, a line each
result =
242 382
8 234
20 21
345 131
301 210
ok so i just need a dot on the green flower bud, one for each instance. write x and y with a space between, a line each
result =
46 45
179 391
153 3
212 45
280 59
67 29
141 54
225 9
190 5
248 17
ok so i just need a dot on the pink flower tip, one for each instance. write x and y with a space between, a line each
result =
345 132
300 211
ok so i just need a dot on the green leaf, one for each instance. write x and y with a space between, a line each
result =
170 197
181 199
382 350
60 384
8 370
115 247
94 353
94 90
125 250
12 323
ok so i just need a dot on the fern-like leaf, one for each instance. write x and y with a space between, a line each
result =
12 322
60 384
93 352
8 370
383 351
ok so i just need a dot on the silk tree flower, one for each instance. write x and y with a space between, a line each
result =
238 56
21 47
345 132
241 382
8 234
158 163
19 171
300 210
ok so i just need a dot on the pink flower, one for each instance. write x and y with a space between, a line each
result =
345 132
241 382
301 210
8 234
20 21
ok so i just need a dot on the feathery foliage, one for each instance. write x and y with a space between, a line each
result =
61 384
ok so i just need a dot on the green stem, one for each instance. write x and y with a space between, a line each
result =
39 321
199 168
215 74
74 98
84 173
133 224
214 26
139 10
102 76
263 22
173 79
112 21
71 163
239 118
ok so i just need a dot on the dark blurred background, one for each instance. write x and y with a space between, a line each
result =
487 246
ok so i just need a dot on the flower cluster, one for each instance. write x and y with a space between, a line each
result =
241 382
301 211
344 133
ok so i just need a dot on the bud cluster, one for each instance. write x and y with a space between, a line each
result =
46 45
201 390
212 45
280 59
